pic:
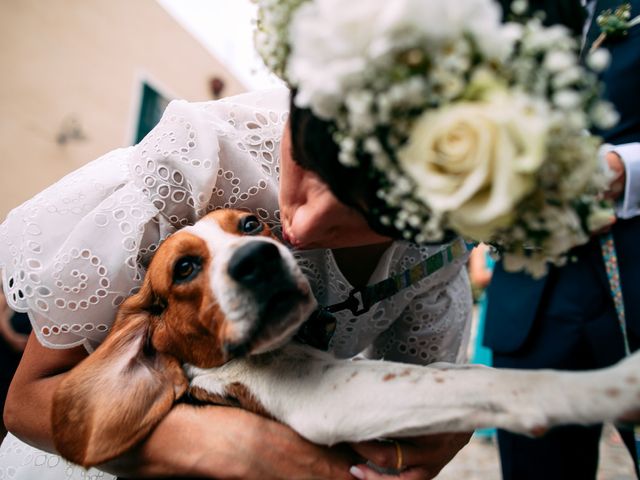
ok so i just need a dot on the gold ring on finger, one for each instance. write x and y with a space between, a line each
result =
399 458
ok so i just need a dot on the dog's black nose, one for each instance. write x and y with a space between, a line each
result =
255 262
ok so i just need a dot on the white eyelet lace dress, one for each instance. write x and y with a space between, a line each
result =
73 253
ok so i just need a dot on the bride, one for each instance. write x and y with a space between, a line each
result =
73 252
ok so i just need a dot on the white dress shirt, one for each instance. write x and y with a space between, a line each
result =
629 205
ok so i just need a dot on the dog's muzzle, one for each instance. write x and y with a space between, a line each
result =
261 271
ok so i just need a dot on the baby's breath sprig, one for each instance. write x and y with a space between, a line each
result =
271 36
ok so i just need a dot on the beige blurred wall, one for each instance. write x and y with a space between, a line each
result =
85 59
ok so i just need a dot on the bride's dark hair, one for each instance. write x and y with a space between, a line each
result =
313 148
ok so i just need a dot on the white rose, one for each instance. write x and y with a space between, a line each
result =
474 161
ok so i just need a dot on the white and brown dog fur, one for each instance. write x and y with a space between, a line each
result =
215 315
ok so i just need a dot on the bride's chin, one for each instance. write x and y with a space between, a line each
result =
301 244
286 238
299 234
291 239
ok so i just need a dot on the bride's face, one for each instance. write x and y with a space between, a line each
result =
312 217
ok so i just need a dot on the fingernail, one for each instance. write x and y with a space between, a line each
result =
356 472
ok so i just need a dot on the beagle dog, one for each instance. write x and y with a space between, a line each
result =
214 317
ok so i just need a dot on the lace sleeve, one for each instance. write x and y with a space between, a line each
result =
71 254
434 327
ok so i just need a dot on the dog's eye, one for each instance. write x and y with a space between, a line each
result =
186 269
250 225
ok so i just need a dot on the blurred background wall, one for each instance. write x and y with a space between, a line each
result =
82 77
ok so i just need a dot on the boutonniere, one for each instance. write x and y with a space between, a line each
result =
614 24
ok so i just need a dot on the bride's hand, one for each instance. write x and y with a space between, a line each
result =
422 457
223 442
205 442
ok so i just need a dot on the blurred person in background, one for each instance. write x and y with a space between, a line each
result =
480 271
481 265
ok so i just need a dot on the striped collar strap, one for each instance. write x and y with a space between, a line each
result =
360 300
318 330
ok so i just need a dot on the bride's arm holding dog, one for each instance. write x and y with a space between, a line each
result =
113 399
207 441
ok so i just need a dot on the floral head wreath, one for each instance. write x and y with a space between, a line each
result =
469 124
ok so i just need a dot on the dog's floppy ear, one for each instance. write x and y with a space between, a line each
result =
118 394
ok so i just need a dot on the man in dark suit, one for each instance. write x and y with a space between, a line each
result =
567 320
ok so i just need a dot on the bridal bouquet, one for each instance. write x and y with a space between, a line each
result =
465 123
